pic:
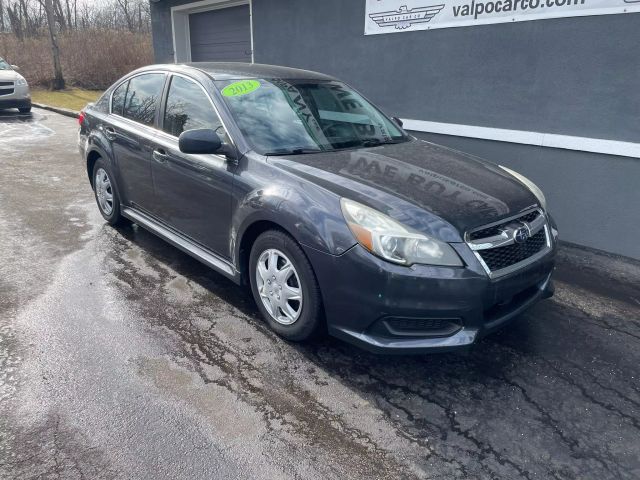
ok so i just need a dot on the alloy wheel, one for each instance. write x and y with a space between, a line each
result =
279 286
104 191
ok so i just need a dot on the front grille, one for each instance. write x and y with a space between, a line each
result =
502 257
6 88
496 229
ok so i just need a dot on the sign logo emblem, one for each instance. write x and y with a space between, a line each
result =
405 17
521 234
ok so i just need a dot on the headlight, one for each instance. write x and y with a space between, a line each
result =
21 82
530 185
394 242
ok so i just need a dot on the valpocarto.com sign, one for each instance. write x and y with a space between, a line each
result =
394 16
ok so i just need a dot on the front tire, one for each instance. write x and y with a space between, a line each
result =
106 193
284 286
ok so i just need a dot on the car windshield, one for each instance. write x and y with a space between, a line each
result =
280 117
4 65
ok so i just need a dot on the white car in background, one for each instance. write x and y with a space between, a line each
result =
14 89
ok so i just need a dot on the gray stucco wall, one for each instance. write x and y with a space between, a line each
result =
161 29
573 76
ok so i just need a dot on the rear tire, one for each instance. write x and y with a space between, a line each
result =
106 193
284 286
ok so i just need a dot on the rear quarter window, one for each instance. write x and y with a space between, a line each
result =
102 105
117 100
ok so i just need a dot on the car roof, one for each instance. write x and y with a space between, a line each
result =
241 71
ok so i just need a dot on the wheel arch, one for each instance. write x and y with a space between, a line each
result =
92 157
248 238
308 214
94 152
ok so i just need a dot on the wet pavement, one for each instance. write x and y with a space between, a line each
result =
121 357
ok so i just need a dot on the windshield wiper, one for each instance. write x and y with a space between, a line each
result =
374 142
293 151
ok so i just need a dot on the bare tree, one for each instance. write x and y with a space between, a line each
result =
58 80
129 16
28 18
68 12
15 19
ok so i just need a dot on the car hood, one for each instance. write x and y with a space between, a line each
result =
425 186
9 75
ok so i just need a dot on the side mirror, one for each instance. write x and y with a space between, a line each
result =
200 141
15 67
398 121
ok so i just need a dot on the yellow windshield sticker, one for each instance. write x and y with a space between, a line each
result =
240 88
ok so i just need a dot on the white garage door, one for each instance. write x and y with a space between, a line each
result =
222 35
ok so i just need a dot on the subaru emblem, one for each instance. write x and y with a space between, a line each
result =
521 234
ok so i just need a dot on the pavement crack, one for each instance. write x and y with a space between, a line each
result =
424 444
481 448
607 406
600 385
550 422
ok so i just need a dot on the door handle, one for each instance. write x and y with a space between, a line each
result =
110 133
160 155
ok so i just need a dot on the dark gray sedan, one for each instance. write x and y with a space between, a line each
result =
293 183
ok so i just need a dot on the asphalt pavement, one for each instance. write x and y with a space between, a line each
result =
121 357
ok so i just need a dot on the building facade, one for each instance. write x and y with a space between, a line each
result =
557 99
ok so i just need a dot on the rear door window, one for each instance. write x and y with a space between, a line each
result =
143 98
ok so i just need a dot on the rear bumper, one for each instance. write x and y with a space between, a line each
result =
386 308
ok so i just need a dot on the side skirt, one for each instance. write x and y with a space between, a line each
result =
189 247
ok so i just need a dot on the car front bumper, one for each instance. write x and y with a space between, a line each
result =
387 308
20 98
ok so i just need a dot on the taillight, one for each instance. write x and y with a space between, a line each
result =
81 118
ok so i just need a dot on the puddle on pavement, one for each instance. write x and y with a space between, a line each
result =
22 129
13 116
